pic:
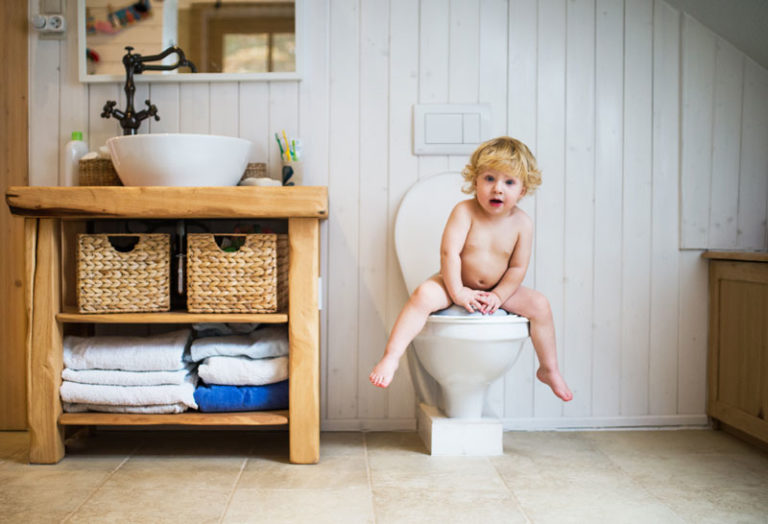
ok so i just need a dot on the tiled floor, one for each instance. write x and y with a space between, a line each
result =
590 477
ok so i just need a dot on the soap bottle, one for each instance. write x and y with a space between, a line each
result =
70 159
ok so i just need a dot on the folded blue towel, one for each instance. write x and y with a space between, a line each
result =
211 398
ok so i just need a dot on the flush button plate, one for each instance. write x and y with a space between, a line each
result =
449 129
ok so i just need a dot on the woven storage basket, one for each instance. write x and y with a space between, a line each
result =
252 279
110 281
98 172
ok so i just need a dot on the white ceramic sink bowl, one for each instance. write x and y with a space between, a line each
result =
179 159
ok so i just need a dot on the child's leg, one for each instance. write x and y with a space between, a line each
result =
429 297
535 307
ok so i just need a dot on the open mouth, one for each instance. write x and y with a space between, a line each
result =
496 202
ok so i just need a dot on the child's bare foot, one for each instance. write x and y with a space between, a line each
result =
382 374
553 379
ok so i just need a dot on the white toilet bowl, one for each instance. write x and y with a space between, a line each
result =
464 353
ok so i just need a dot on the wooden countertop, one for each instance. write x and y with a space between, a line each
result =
741 256
168 202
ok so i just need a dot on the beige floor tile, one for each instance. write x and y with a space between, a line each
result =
564 478
134 504
337 505
424 505
444 473
334 472
84 472
33 504
667 442
341 443
395 443
204 473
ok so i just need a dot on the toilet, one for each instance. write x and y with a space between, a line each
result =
463 352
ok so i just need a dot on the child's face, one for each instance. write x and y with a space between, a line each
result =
498 193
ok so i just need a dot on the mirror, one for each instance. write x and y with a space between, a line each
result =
226 39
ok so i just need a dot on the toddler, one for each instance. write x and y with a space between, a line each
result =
484 255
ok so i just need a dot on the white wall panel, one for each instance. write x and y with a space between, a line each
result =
594 87
609 140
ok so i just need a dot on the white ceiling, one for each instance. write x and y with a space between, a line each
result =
744 23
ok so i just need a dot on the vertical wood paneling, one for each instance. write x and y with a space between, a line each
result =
609 133
492 90
343 193
696 167
195 104
434 44
73 96
579 210
550 203
373 168
522 89
724 202
602 119
166 98
403 170
225 109
662 370
636 238
44 138
692 342
253 119
753 187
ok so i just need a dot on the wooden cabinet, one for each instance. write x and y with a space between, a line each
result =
738 341
49 212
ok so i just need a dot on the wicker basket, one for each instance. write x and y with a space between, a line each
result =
110 281
98 172
252 279
254 170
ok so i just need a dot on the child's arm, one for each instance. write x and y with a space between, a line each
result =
454 236
518 265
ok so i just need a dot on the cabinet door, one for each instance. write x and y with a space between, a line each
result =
739 346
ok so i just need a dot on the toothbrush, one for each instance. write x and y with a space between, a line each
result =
279 144
287 147
294 155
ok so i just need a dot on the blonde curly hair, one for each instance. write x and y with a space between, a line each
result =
506 155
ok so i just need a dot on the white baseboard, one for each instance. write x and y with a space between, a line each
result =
533 423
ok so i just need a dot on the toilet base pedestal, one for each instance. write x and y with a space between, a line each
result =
453 436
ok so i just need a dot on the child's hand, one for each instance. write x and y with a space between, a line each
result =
470 299
490 302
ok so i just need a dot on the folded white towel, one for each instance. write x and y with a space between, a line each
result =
266 342
154 353
158 409
114 377
243 371
130 395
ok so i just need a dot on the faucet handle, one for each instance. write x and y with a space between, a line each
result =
108 108
152 110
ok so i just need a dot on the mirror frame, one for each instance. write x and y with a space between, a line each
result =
191 77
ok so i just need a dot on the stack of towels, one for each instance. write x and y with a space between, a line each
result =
128 374
242 372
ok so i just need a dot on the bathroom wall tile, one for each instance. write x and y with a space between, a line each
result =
39 504
433 504
215 474
338 505
126 504
332 472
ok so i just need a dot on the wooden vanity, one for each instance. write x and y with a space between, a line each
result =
50 211
738 343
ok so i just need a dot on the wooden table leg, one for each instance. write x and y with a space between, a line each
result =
304 336
46 442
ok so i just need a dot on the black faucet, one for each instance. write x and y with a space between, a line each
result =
135 64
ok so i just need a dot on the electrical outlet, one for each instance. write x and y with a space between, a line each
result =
55 24
50 27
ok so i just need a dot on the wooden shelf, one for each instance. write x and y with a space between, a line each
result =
244 418
169 317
